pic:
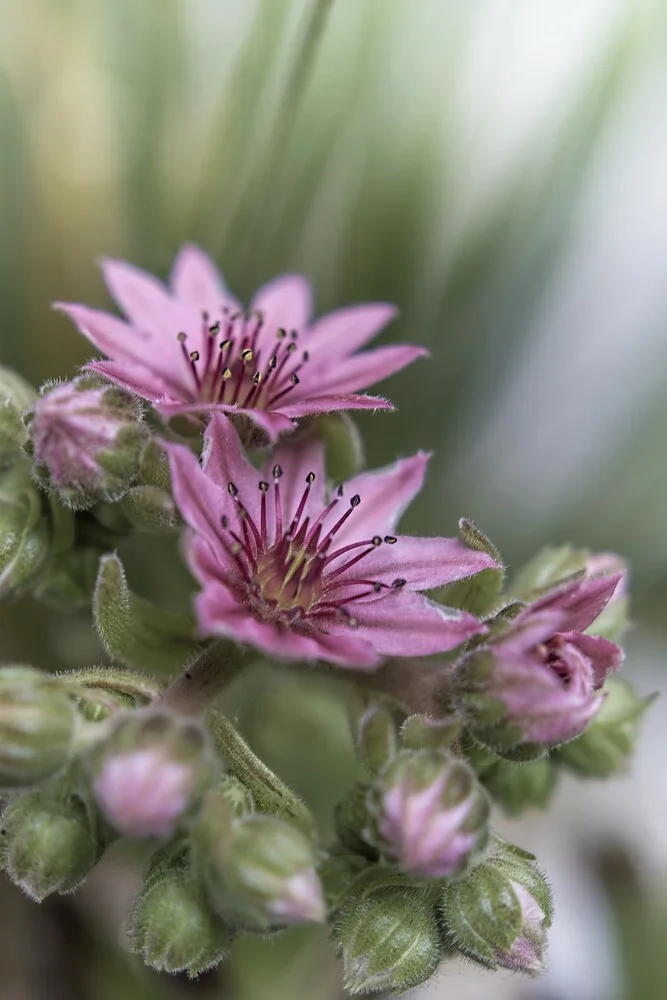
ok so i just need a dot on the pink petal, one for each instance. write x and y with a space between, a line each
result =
582 601
329 404
385 493
207 562
526 631
284 302
201 502
109 334
133 376
220 614
224 461
343 331
197 282
403 623
605 656
146 302
424 562
361 370
298 459
272 422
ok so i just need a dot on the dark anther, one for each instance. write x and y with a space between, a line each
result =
310 478
340 490
224 521
390 539
397 584
305 356
215 329
282 333
263 485
227 373
232 490
194 355
376 540
377 587
224 344
294 334
277 472
273 362
204 316
294 378
257 378
187 675
246 355
182 337
355 501
291 348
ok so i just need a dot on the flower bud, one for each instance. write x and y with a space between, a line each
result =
387 939
86 440
16 395
518 786
374 724
422 732
498 914
259 871
51 839
152 773
36 727
430 814
172 925
609 742
351 818
24 532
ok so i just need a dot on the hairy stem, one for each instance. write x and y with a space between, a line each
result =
420 685
202 680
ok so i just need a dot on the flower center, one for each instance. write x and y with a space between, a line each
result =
234 369
293 575
551 653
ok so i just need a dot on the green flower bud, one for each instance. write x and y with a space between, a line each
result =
86 439
37 721
51 839
351 818
172 925
518 786
607 745
343 446
24 531
375 726
552 565
150 508
479 593
498 914
259 871
16 395
387 939
422 732
152 772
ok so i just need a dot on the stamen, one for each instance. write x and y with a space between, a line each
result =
390 539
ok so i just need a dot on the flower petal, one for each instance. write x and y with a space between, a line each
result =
109 334
284 302
362 370
343 331
146 302
136 377
385 493
605 656
196 281
219 613
403 623
271 422
224 461
425 562
582 601
329 404
201 502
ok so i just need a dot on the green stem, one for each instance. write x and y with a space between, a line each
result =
271 795
203 680
421 686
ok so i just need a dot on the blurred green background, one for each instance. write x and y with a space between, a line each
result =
498 170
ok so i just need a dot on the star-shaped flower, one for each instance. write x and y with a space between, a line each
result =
192 347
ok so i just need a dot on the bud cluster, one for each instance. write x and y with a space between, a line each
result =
467 689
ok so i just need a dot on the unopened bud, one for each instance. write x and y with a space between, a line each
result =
37 722
51 840
351 818
150 508
422 732
86 440
499 913
609 742
520 786
24 531
172 925
152 773
259 871
16 395
430 813
387 940
375 725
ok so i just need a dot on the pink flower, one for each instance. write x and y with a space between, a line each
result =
538 682
191 347
303 577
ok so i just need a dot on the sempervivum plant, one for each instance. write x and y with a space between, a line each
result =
457 704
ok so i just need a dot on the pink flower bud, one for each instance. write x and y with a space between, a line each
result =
152 774
86 440
430 814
